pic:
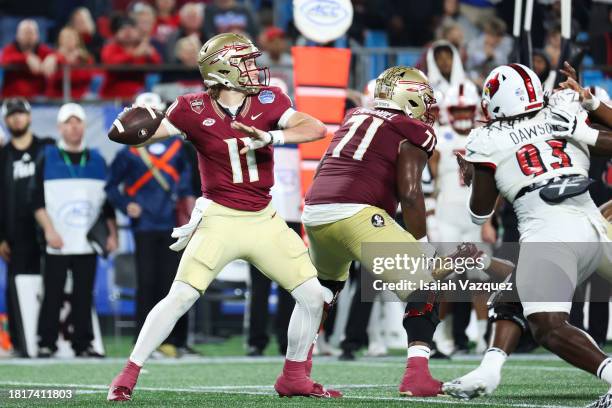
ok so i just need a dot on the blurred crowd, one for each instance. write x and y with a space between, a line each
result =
153 32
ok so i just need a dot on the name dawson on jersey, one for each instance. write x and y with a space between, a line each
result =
526 134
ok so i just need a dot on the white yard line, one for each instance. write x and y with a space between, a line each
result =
267 390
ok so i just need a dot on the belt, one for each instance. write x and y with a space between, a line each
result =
537 186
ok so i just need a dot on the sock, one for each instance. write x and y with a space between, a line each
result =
161 320
294 369
494 359
605 371
481 325
305 319
419 351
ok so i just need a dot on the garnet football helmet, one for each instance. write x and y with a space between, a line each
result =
406 89
228 59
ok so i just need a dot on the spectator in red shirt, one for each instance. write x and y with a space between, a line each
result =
145 17
127 47
191 18
167 19
26 51
82 21
70 51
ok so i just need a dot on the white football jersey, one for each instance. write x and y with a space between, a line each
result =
449 183
523 152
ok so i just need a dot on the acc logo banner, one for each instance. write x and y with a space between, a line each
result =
322 20
266 97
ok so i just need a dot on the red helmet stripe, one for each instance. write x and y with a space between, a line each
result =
527 80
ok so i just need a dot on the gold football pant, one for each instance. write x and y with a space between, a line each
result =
261 238
335 245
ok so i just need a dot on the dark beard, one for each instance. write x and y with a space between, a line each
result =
17 133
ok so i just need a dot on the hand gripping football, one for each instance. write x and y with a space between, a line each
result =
135 125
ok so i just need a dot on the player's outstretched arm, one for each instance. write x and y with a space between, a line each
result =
599 112
300 128
410 165
484 194
141 125
569 126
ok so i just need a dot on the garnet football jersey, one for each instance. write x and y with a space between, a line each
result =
523 152
359 166
239 181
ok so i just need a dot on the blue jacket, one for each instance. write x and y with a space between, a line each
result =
139 186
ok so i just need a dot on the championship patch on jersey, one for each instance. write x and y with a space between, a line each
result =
378 220
197 105
266 97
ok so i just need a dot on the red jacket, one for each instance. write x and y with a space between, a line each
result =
22 82
124 84
80 79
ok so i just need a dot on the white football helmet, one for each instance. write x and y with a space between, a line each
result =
511 90
461 103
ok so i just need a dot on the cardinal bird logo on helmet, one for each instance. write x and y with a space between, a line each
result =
492 86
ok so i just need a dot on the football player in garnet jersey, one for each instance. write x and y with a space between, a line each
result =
233 126
519 155
376 159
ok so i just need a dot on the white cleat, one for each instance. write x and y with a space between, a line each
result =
474 384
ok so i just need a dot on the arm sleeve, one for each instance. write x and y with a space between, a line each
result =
116 176
36 188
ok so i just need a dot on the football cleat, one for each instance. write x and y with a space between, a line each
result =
605 401
474 384
417 381
303 387
123 385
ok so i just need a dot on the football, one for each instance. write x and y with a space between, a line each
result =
135 125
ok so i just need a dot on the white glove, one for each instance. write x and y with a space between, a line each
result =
566 125
184 233
275 137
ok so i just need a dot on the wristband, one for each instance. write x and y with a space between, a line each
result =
278 137
591 104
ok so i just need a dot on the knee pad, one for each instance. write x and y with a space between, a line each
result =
183 295
421 316
511 311
310 294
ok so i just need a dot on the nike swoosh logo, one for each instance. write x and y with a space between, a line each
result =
253 117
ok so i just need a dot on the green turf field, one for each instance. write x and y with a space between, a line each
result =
218 380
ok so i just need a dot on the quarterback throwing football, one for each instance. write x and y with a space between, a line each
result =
233 126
